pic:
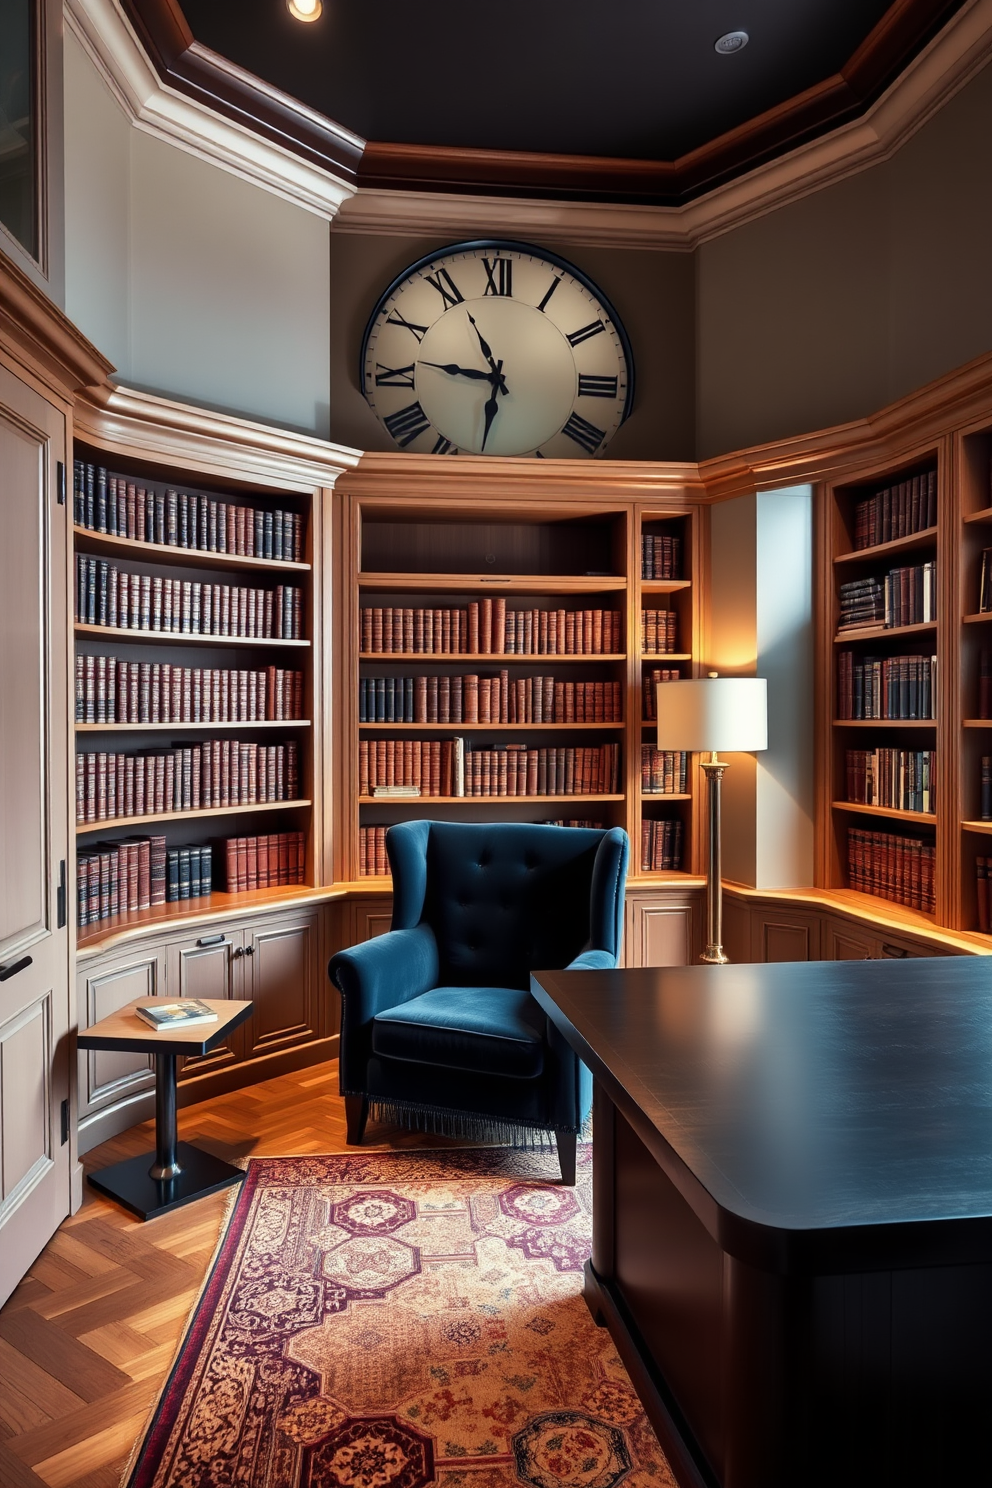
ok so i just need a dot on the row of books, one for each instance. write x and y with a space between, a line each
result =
985 684
900 779
198 777
487 627
473 699
661 846
661 556
886 686
664 772
119 597
905 596
983 872
122 507
109 690
373 861
985 795
659 631
266 861
896 511
985 584
892 866
446 767
651 680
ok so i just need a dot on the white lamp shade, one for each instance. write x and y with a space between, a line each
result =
718 713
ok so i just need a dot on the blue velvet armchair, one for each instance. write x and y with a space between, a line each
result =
438 1026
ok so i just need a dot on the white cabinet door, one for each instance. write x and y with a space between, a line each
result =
34 938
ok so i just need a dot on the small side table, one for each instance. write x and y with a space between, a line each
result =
179 1171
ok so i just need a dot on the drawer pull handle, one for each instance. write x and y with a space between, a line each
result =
211 940
896 953
237 953
249 950
13 967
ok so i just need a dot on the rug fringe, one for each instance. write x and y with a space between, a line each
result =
486 1130
225 1219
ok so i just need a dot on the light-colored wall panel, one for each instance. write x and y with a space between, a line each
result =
97 209
25 1079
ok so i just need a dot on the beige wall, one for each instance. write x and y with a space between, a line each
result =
653 293
196 284
834 306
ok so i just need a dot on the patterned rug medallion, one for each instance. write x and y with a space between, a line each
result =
391 1320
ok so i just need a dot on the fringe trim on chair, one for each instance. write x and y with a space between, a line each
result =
487 1130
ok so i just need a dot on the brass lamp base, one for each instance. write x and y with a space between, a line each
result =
714 954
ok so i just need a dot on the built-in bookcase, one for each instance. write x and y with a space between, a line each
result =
885 766
223 685
507 637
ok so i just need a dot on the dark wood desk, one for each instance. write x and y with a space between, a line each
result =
792 1238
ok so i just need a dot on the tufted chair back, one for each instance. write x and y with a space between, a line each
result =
507 899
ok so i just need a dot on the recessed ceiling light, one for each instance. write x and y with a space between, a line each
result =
304 10
733 41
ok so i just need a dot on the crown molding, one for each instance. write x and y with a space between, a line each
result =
212 109
125 419
944 66
42 339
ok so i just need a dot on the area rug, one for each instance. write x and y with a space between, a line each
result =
396 1320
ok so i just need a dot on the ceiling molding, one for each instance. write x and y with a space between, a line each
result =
228 447
214 110
941 69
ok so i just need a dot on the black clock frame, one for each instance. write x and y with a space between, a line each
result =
515 247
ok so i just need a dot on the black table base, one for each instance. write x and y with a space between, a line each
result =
176 1172
131 1184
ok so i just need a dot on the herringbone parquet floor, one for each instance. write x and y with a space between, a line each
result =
87 1339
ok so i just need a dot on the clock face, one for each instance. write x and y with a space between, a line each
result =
497 349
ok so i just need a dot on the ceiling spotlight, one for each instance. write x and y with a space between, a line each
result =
304 10
733 41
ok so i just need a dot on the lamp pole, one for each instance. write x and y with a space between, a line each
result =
714 953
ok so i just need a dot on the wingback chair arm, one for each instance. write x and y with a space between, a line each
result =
384 972
593 961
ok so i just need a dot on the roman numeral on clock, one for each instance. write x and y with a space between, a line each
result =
584 332
397 319
584 433
444 447
446 288
499 276
399 376
597 387
554 285
407 423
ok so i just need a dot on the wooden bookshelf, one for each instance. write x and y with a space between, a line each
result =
568 541
189 827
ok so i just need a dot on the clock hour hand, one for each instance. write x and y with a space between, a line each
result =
456 371
493 402
487 353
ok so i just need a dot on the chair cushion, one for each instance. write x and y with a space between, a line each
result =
487 1030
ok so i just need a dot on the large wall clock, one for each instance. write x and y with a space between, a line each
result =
497 348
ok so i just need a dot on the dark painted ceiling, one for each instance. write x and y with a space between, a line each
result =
613 100
634 78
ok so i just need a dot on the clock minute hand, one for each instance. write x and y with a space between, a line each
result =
492 404
456 371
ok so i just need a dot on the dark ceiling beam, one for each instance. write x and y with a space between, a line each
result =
191 70
899 36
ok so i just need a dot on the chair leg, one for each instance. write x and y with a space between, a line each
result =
356 1110
567 1144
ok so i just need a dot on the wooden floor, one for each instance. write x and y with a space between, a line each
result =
89 1336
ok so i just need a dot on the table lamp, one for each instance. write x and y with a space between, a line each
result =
701 716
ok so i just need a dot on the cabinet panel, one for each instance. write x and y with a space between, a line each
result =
281 981
659 930
209 967
106 1078
786 938
844 942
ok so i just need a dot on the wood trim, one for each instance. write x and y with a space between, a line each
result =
226 89
42 339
